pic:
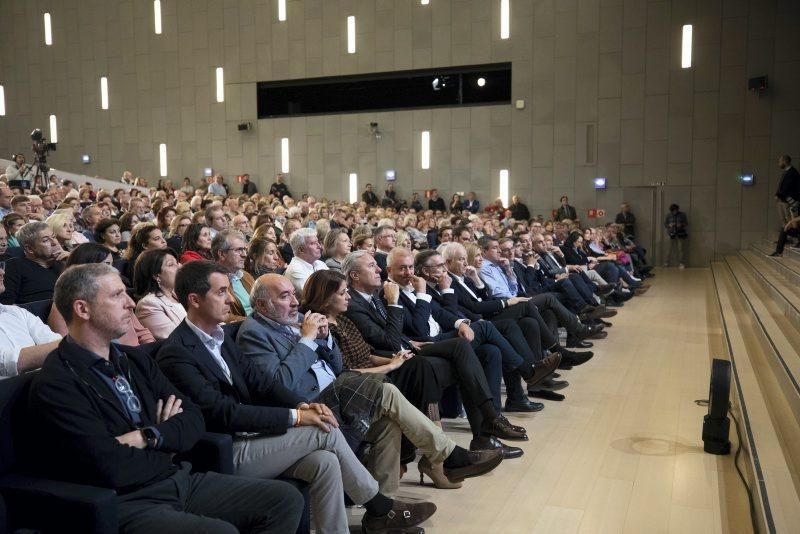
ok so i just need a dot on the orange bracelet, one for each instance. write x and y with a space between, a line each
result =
299 418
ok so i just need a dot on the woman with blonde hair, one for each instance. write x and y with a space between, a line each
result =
62 224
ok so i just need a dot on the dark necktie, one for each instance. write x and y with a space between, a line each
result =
289 333
378 307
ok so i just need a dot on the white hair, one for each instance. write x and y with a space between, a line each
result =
299 238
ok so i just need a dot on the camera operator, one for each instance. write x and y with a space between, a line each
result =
17 172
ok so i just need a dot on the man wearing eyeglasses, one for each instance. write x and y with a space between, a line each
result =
106 416
230 250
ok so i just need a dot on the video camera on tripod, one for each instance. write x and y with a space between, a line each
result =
40 150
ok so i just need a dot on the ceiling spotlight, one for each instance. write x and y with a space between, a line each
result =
86 159
481 82
435 84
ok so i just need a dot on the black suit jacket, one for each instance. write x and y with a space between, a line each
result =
415 323
380 259
472 308
253 403
789 186
436 205
385 336
78 417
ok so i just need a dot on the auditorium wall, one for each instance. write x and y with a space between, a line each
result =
611 66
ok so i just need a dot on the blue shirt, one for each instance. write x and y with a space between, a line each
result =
497 281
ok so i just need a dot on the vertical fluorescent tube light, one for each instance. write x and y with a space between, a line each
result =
504 186
425 150
284 154
220 85
353 188
686 47
2 101
53 129
351 34
48 30
162 159
157 16
103 92
505 19
281 10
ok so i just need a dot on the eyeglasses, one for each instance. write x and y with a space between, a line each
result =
240 250
132 402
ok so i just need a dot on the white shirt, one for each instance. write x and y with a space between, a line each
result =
214 345
299 270
19 329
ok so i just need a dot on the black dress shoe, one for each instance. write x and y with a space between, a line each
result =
579 344
599 335
484 443
549 384
544 368
546 395
555 375
576 358
523 405
564 366
606 323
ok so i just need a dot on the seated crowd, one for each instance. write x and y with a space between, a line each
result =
346 328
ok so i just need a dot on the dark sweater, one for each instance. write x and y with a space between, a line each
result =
27 281
78 418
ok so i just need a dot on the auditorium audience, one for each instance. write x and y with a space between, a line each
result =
154 286
288 435
106 416
366 363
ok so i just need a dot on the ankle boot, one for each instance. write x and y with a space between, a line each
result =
436 473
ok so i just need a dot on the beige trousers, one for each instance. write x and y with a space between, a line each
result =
395 417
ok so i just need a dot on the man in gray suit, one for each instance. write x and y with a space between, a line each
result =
305 359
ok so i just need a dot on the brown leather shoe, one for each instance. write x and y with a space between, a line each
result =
402 515
499 427
640 291
544 368
482 463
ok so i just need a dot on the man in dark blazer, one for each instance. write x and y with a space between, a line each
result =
382 327
788 193
106 416
276 432
384 239
471 204
435 202
565 211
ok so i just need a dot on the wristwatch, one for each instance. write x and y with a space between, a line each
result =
151 436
